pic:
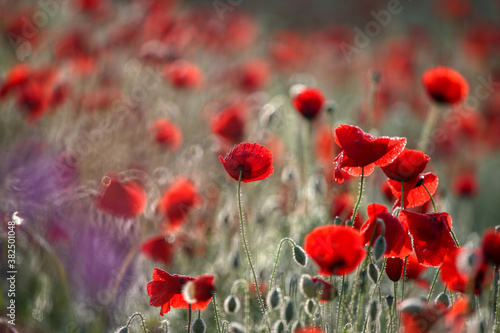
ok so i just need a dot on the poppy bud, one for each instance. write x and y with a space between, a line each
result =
331 106
236 328
300 256
123 329
444 299
307 287
279 327
411 306
389 299
337 220
310 307
296 326
288 312
373 272
199 326
379 248
373 310
274 299
236 260
231 304
349 223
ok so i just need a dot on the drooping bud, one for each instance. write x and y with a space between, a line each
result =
274 299
310 307
373 272
199 326
123 329
444 299
379 248
300 256
288 312
231 304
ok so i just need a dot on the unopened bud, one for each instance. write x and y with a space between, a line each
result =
373 272
331 106
337 220
373 310
349 223
235 327
389 299
199 326
310 307
296 326
279 327
379 248
300 256
307 286
231 304
288 312
274 299
444 299
123 329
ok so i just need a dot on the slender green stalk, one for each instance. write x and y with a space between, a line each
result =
395 313
433 284
404 278
340 313
428 127
497 294
454 237
402 196
242 226
277 258
430 196
143 324
189 318
360 194
244 284
214 301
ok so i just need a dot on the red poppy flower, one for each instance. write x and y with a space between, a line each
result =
394 268
408 165
445 85
33 100
253 75
165 291
183 74
466 185
328 291
199 290
336 249
18 75
308 102
255 162
431 234
181 197
167 133
395 233
309 330
120 198
158 249
229 124
419 316
491 246
414 192
361 150
465 270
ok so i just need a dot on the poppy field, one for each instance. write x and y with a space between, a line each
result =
232 166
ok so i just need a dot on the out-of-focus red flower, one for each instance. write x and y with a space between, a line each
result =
309 101
252 75
386 191
158 249
491 246
309 329
445 85
229 124
33 100
408 165
414 192
165 291
199 290
337 250
419 316
167 134
180 198
184 74
18 75
431 234
255 162
465 270
466 185
361 150
120 198
325 145
395 233
288 50
455 318
328 291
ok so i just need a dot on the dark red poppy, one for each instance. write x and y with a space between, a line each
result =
253 160
336 249
394 268
328 291
466 185
361 150
253 75
33 100
120 198
445 85
395 233
183 74
229 124
465 270
491 246
167 134
408 165
308 102
158 249
414 192
165 291
180 198
431 234
199 290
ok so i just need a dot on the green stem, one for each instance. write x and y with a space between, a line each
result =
189 318
404 278
214 301
340 313
143 324
234 288
402 196
242 226
277 258
360 195
433 284
454 237
430 196
428 127
395 313
497 294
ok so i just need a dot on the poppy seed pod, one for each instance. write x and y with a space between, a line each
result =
379 248
199 326
279 327
288 312
274 299
231 304
300 256
307 286
373 272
